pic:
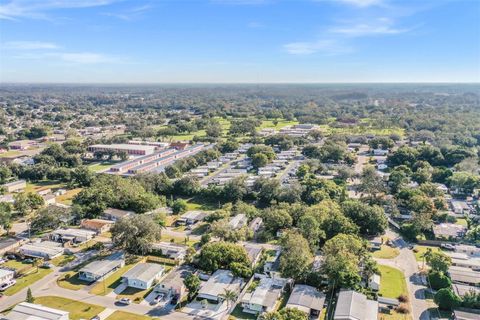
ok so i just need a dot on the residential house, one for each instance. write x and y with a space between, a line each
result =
115 214
468 249
45 250
97 225
174 251
99 269
380 152
238 221
15 186
449 231
173 284
21 145
256 225
216 285
49 199
143 275
466 314
191 217
462 289
10 244
374 282
254 253
72 235
31 311
460 207
265 295
6 275
352 305
464 275
307 299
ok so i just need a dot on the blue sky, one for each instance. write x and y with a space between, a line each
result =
136 41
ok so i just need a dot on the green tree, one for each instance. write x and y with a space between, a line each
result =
370 219
439 262
136 234
296 258
446 299
221 255
192 283
30 298
179 206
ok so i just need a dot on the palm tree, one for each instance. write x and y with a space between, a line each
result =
228 295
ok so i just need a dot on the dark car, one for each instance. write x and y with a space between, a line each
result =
175 299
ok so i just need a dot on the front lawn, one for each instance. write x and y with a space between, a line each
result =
78 310
27 280
122 315
71 281
238 314
386 252
103 288
63 260
392 282
68 196
393 315
419 251
136 295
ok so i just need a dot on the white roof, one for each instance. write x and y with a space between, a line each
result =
144 271
354 305
267 292
75 232
104 266
43 249
31 311
306 297
220 281
5 272
125 146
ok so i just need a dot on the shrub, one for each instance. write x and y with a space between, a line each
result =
403 298
438 280
402 308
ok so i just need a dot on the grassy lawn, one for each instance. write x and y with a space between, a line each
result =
197 203
17 265
103 288
392 282
43 185
420 251
386 252
78 310
100 166
11 153
136 295
393 315
179 240
27 281
462 222
122 315
63 260
68 196
71 281
238 314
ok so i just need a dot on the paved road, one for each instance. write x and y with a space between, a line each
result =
406 262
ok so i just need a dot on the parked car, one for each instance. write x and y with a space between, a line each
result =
95 318
125 301
7 284
447 246
11 257
28 260
47 265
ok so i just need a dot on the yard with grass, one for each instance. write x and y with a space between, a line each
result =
419 251
122 315
71 281
462 222
68 196
280 124
100 166
393 315
44 185
136 295
392 282
103 288
63 260
78 310
238 314
386 252
27 280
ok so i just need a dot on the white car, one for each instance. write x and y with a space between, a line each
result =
125 301
7 284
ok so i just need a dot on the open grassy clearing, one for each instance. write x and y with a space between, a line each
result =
100 166
392 282
238 314
44 185
386 252
68 196
280 124
419 251
63 260
78 310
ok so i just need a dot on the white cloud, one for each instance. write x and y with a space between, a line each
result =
29 45
382 26
130 14
37 9
329 47
71 57
360 3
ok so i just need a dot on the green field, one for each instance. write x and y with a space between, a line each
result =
71 281
419 251
96 167
392 282
29 279
386 252
78 310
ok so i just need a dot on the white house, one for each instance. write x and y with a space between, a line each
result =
307 299
238 221
143 275
172 284
99 269
265 295
374 282
216 285
6 275
352 305
15 186
174 251
46 250
72 235
31 311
